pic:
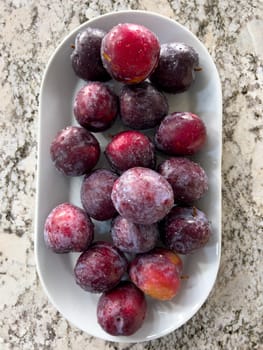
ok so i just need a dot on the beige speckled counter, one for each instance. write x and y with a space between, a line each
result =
232 31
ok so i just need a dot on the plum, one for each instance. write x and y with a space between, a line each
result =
176 67
130 52
157 273
129 149
181 133
187 178
142 196
142 106
185 229
85 57
96 194
100 267
68 229
133 238
95 106
74 151
121 311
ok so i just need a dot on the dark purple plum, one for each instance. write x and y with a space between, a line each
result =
181 133
184 230
74 151
121 311
142 106
129 149
133 238
85 58
142 196
95 106
100 267
187 178
176 67
68 229
96 194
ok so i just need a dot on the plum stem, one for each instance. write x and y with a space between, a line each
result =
194 212
184 277
198 69
72 46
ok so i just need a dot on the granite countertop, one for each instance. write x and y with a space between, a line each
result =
232 31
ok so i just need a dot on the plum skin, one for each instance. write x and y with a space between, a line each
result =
122 310
100 267
187 178
95 106
130 52
85 58
142 106
68 229
74 151
133 238
129 149
95 195
176 68
181 133
185 230
157 273
142 196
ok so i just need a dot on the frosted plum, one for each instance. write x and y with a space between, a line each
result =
187 178
142 106
74 151
133 238
157 273
68 229
130 149
121 311
184 230
142 196
181 133
96 194
95 106
100 267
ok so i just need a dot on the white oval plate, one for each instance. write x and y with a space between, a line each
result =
58 89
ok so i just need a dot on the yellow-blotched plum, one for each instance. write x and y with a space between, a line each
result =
157 273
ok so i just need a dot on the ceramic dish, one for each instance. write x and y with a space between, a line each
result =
58 89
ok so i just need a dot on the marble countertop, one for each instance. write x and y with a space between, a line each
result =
232 31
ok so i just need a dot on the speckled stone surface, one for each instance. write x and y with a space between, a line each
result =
232 31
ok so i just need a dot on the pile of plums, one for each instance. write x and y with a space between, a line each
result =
152 207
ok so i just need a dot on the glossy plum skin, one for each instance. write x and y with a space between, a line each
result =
181 133
74 151
96 194
184 230
142 196
85 58
130 52
129 149
133 238
187 178
68 229
157 273
176 67
142 106
100 267
122 310
95 106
